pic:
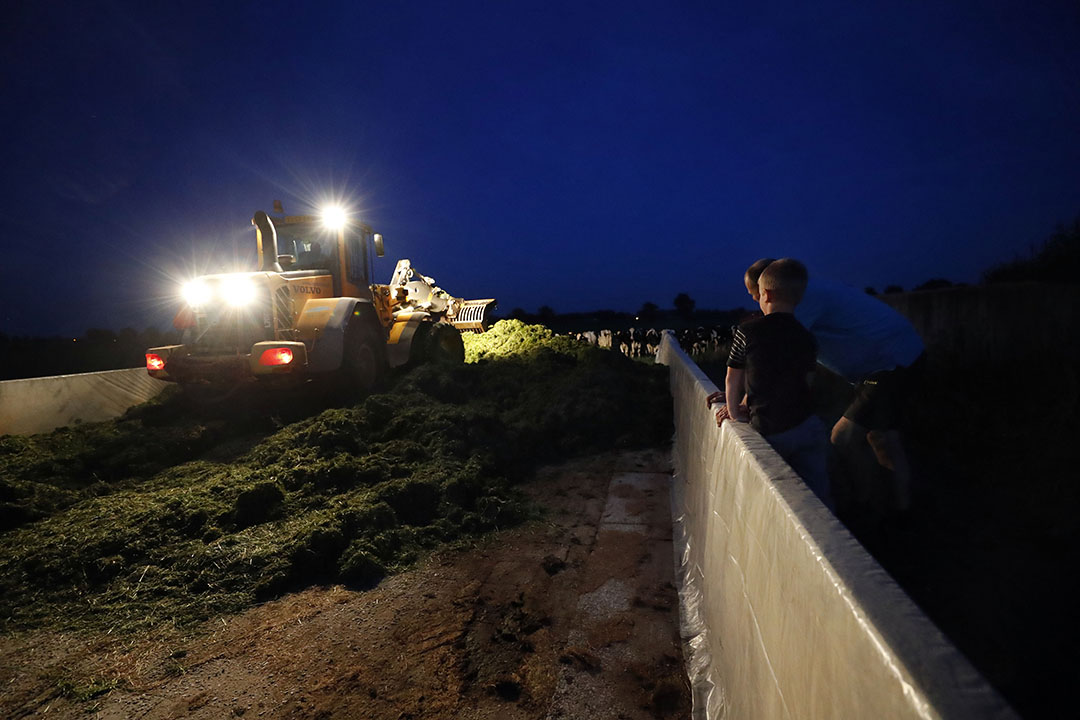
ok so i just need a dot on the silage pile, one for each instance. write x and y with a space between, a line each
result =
121 525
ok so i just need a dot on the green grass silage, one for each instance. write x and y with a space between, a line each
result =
130 524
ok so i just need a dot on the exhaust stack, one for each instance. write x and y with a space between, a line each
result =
266 236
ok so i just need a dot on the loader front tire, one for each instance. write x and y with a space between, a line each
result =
437 343
364 364
446 345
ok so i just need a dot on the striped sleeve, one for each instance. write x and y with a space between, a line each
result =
737 358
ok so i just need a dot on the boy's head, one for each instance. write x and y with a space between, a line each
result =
783 282
753 273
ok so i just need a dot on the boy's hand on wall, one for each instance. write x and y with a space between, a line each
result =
740 414
715 398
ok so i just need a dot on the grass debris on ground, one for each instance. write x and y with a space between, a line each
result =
146 520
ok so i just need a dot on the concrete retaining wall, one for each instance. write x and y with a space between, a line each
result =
785 614
38 405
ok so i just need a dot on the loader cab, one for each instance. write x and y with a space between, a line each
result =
346 254
312 246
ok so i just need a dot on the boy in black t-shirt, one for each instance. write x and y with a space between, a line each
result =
771 361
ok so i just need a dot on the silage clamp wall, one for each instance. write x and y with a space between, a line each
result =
784 614
38 405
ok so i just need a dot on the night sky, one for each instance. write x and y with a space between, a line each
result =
577 155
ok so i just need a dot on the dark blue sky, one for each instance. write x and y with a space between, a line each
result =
577 155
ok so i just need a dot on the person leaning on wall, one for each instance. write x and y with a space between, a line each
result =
771 358
878 351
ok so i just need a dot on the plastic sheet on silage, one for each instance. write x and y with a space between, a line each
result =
783 613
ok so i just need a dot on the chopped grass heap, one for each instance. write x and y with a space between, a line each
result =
140 521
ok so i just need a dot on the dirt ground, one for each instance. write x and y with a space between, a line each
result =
572 616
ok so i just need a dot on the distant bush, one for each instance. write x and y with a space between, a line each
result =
934 284
684 304
1058 260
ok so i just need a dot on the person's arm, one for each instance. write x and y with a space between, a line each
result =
735 389
735 381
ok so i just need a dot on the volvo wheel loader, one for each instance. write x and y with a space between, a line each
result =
311 310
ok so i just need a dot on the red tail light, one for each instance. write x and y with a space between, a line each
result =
276 356
154 362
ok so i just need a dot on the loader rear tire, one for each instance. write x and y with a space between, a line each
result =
364 364
437 343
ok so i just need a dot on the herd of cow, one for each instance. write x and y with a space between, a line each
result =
644 342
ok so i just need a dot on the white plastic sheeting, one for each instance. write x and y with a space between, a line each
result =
38 405
783 613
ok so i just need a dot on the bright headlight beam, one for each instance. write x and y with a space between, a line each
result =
334 217
196 293
238 291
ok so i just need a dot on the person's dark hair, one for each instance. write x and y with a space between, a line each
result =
753 273
785 278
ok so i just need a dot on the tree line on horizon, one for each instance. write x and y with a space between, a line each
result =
99 349
1056 260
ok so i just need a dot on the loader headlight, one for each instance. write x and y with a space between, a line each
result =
334 217
238 291
196 293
